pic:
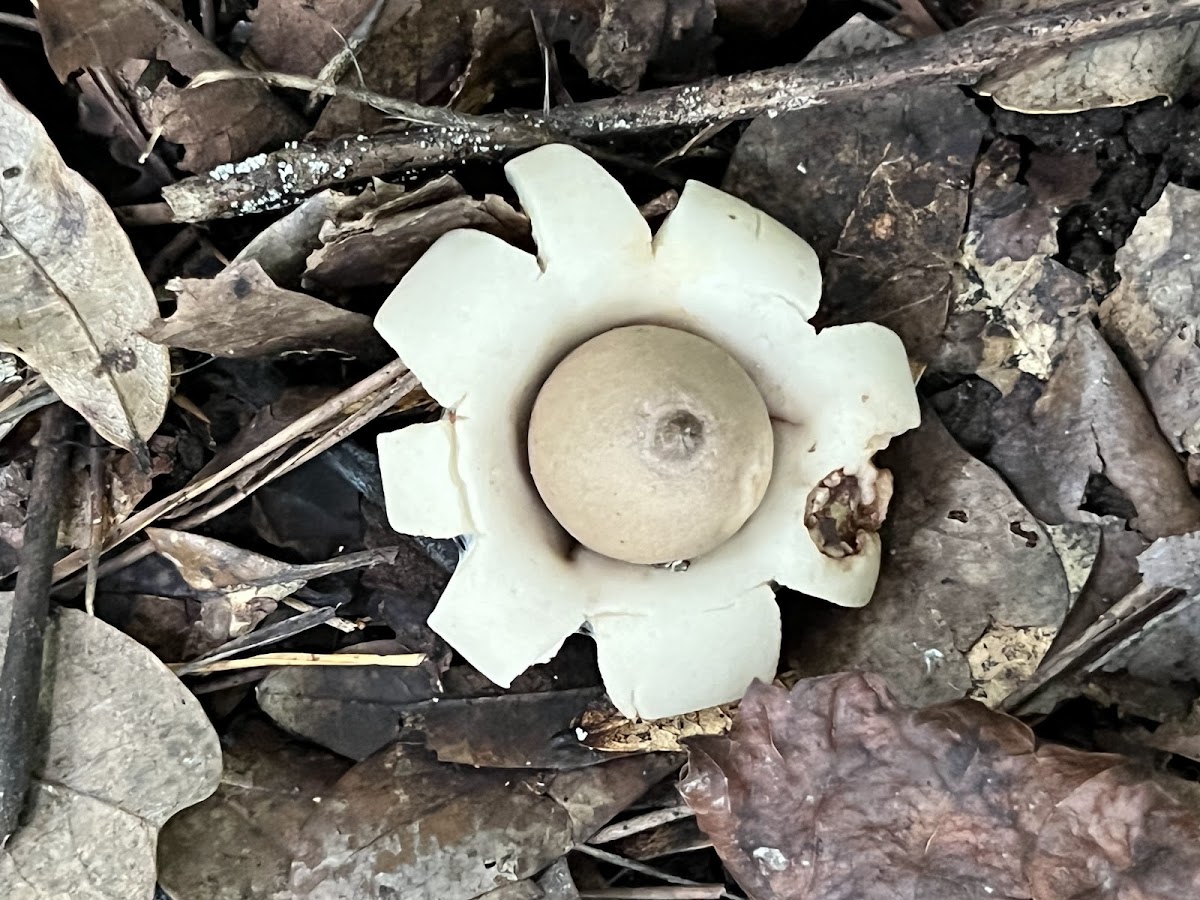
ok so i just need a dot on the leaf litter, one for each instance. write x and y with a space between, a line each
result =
1040 549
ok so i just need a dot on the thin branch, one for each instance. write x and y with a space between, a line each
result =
261 637
208 20
962 56
333 70
671 892
21 674
641 823
1123 618
394 660
98 503
643 869
25 23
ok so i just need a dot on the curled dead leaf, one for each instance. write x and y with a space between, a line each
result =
243 313
73 299
834 790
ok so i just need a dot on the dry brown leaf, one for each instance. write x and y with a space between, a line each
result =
1116 72
1161 659
1091 420
400 825
368 245
835 791
859 34
1153 317
148 45
603 728
238 588
243 313
73 298
238 843
512 730
126 747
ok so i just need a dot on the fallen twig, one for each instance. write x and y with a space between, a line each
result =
643 869
398 660
21 674
641 823
26 23
261 637
962 56
669 892
1120 620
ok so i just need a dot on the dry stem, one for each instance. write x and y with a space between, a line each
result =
962 56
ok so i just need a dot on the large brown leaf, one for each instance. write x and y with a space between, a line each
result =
125 746
148 45
834 791
73 298
401 825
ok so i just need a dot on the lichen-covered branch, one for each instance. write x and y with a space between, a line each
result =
962 56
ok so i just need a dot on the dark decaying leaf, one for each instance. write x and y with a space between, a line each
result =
835 791
239 842
432 51
377 244
511 730
149 45
761 19
403 593
680 836
125 746
859 34
879 187
352 711
14 494
237 588
1090 423
1153 317
315 510
399 824
963 558
557 883
242 313
526 889
73 298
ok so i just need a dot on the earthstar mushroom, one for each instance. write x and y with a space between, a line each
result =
489 329
650 444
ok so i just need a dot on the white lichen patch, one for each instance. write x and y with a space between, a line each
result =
770 860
